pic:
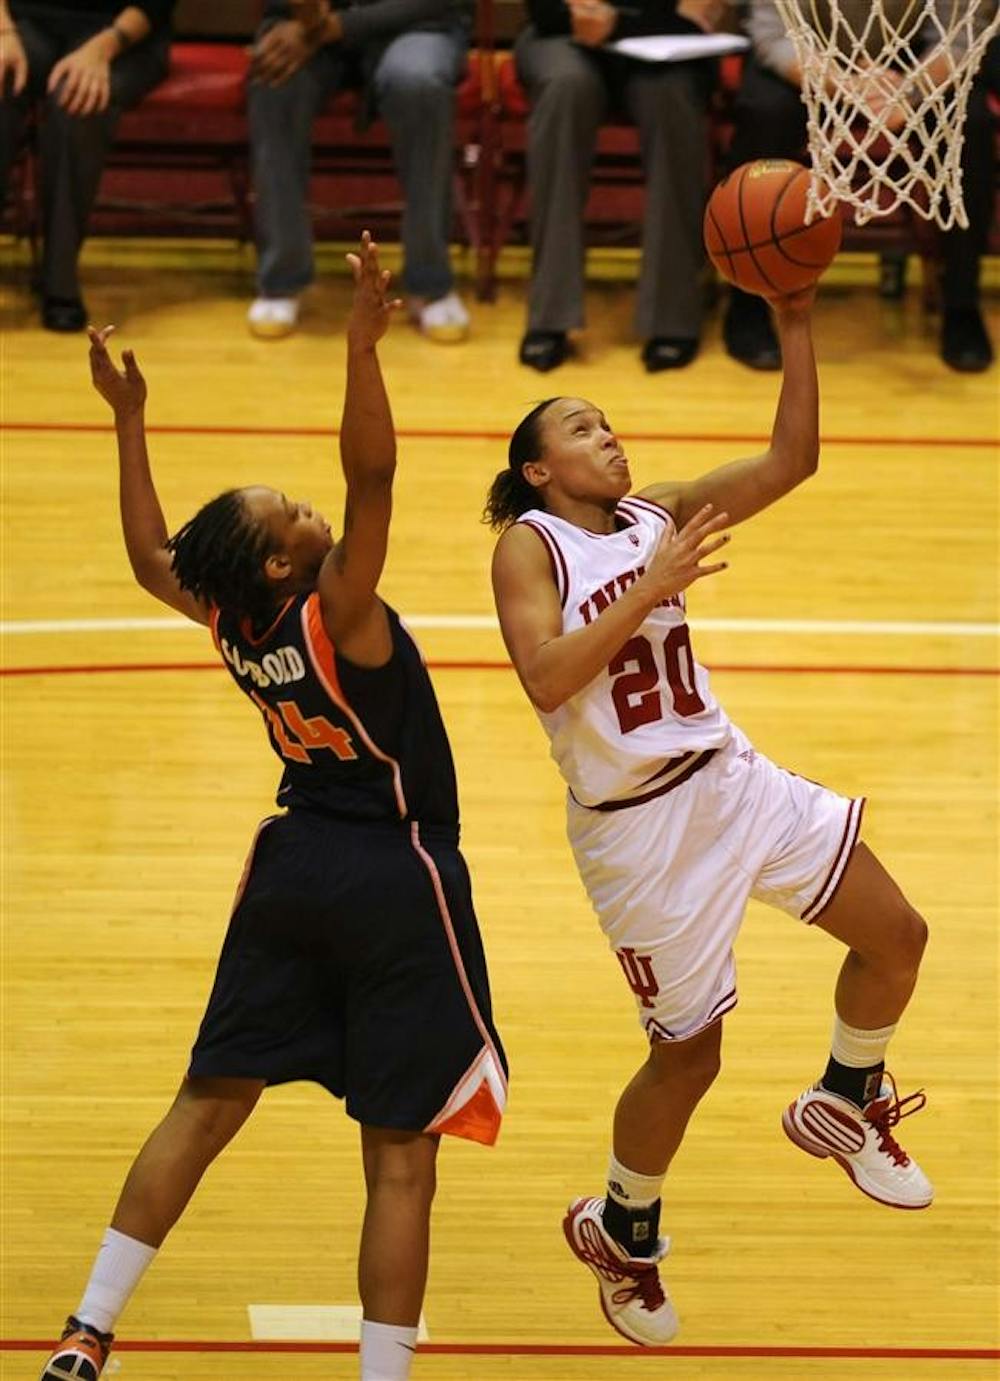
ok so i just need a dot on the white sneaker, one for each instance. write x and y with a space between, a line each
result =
861 1141
632 1297
270 318
444 320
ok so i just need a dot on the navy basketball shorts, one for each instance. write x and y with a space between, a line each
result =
353 958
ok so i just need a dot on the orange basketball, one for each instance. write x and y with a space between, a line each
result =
756 233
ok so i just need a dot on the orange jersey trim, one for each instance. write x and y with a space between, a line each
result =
478 1119
322 656
487 1061
245 627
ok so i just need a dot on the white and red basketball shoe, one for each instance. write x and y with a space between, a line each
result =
860 1140
81 1354
632 1296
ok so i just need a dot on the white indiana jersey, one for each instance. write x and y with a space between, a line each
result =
653 702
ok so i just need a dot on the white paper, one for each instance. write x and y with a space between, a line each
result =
679 47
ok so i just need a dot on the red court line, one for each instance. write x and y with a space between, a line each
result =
934 1354
463 434
103 668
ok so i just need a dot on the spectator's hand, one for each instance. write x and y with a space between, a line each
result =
281 52
82 79
311 14
372 309
123 390
707 14
885 100
13 63
593 21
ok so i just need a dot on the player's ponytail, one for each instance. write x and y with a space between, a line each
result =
510 494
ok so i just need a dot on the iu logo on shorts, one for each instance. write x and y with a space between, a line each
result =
639 975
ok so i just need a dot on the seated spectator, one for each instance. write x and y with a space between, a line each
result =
771 123
85 64
408 56
573 82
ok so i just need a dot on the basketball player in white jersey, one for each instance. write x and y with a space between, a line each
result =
675 820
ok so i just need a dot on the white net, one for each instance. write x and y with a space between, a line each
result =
886 86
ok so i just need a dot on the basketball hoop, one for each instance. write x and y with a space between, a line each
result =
886 86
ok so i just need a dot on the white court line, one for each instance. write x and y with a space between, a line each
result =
791 627
330 1323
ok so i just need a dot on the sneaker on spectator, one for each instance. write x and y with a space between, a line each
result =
81 1354
965 343
632 1296
444 320
860 1140
748 331
270 318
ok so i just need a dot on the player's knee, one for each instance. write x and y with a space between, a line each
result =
214 1115
914 935
694 1063
414 1179
902 937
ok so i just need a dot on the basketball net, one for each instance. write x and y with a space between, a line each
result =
886 86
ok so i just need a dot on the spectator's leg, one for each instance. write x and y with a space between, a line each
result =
769 118
770 122
42 53
965 344
73 149
569 100
415 84
281 120
668 103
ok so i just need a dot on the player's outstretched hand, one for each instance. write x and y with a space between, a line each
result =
124 390
795 304
679 559
372 307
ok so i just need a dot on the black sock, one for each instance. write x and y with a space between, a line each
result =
859 1085
635 1229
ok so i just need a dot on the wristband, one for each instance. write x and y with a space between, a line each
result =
124 40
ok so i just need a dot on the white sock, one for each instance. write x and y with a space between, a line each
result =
120 1264
629 1188
859 1049
386 1351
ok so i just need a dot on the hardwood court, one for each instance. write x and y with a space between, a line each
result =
134 778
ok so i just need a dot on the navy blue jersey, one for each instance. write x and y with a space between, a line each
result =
366 743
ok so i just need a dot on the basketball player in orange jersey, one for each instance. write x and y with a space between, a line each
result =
353 956
675 820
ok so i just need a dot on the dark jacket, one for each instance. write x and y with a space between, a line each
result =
636 17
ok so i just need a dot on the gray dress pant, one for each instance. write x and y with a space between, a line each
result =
572 89
414 82
72 148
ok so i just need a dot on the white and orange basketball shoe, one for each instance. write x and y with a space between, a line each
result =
632 1295
860 1140
81 1354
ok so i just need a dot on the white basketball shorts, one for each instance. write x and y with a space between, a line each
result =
670 879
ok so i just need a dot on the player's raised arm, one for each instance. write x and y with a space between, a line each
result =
350 574
744 487
143 525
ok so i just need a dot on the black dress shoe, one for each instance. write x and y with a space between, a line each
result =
964 343
668 352
544 350
63 314
748 332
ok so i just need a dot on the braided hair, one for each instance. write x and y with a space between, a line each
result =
510 493
219 554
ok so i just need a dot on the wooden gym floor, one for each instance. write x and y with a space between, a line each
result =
853 638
